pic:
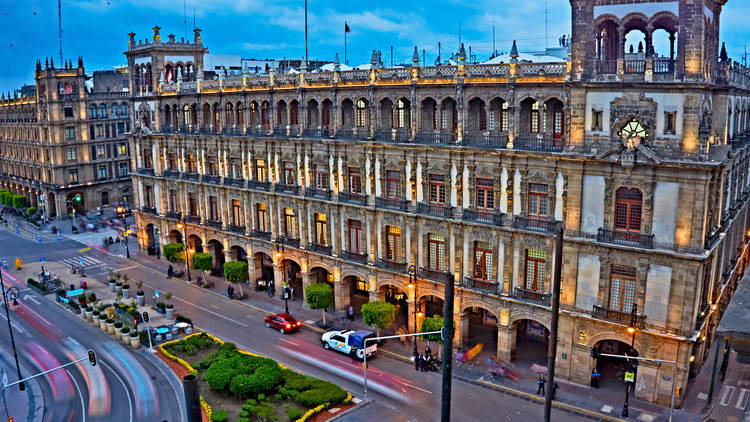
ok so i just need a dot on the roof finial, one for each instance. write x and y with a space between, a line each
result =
336 63
723 55
514 53
415 57
374 58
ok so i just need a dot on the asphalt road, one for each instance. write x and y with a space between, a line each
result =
126 385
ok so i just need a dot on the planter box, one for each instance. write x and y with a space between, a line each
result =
135 341
125 338
36 289
140 299
112 287
170 313
117 331
111 327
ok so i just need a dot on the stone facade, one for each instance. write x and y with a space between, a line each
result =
467 171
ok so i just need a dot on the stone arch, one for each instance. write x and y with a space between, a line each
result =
516 317
237 253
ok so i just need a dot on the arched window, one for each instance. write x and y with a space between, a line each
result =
229 114
186 115
628 205
124 110
92 111
361 113
113 110
240 116
103 111
534 121
633 133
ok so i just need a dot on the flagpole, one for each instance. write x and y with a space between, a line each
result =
345 62
306 59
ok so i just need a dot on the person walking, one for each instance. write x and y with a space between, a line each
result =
540 384
291 292
273 289
595 375
269 288
170 271
350 313
230 291
416 360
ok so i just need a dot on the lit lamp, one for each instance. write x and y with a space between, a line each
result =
412 271
182 226
632 365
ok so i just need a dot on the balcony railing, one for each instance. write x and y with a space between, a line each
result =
318 193
283 132
148 210
437 210
233 181
485 286
606 67
625 238
399 267
352 134
318 248
193 219
257 185
634 66
352 198
532 296
190 176
393 135
317 133
172 174
216 224
353 256
257 131
601 312
259 234
236 229
213 179
535 143
233 131
526 223
664 66
391 203
173 215
434 138
186 129
494 218
289 241
290 189
434 275
146 171
712 238
486 140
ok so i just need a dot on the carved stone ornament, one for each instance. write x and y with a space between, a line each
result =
583 337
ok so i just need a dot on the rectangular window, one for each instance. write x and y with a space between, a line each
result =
213 209
622 288
321 178
482 119
120 128
670 122
171 161
213 169
485 194
105 198
355 236
73 176
236 212
534 118
102 174
192 204
261 213
436 252
504 118
149 196
628 206
437 189
355 182
101 151
538 200
173 200
558 124
321 229
483 261
293 116
596 120
393 244
70 132
289 174
123 169
99 132
393 184
68 111
71 154
290 223
536 269
261 172
123 149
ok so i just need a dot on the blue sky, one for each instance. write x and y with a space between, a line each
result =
96 29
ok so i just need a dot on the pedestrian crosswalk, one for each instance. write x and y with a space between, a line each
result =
81 261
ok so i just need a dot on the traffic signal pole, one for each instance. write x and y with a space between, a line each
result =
552 347
445 411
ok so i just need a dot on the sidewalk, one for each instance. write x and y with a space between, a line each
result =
24 406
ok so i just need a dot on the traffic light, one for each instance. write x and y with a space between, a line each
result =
92 357
11 419
78 197
594 352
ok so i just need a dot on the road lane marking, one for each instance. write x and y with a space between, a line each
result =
31 298
37 315
289 341
83 405
130 401
127 268
742 399
13 324
214 306
726 395
203 309
417 388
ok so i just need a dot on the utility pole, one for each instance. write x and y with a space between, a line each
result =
552 347
445 413
21 385
306 58
59 30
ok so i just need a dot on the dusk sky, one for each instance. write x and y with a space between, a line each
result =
96 29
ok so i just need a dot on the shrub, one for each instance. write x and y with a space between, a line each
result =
277 396
180 318
19 201
125 330
161 305
294 414
228 346
261 397
295 381
38 285
92 297
219 374
140 293
31 210
219 415
118 324
73 305
322 392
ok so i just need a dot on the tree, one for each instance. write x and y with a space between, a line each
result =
174 252
434 323
236 272
379 314
203 261
319 296
19 201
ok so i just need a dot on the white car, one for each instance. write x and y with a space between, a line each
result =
349 342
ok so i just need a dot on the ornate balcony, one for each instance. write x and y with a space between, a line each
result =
146 171
601 312
526 223
259 234
233 181
257 131
399 267
212 179
172 174
236 229
283 132
434 138
391 203
437 210
434 275
173 215
353 256
486 140
712 238
532 296
148 210
353 133
317 133
493 218
605 67
257 185
484 286
352 198
193 219
190 176
393 135
288 241
318 248
318 193
634 66
535 143
233 131
289 189
665 66
216 224
625 238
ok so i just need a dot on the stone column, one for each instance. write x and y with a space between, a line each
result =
465 256
516 258
334 243
506 343
379 237
420 240
418 179
504 191
501 264
378 191
278 278
407 245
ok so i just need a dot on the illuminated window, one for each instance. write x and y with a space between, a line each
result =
321 229
534 118
355 181
436 252
355 236
483 260
622 288
536 269
393 243
538 200
485 194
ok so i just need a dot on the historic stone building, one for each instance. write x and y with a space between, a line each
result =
67 143
351 177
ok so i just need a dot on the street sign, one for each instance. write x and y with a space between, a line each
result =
92 357
629 376
145 317
71 293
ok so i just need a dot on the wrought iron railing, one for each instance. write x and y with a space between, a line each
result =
216 224
533 296
606 66
625 238
494 218
712 238
391 203
354 256
437 210
434 275
485 286
213 179
172 174
317 133
535 143
235 229
146 171
318 193
601 312
527 223
290 189
434 138
190 176
318 248
288 241
399 267
393 135
233 181
173 215
259 234
352 198
258 185
148 210
485 140
193 219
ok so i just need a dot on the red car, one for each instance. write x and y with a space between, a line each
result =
282 322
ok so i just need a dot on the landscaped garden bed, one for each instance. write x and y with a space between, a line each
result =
239 386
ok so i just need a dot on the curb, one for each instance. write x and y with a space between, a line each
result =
351 410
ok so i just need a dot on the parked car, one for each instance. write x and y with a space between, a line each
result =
349 342
282 322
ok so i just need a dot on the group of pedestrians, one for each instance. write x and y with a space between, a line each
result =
424 361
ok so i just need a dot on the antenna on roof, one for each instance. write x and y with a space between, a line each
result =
184 16
493 39
459 33
59 27
546 28
193 18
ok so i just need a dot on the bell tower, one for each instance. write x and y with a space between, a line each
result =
602 29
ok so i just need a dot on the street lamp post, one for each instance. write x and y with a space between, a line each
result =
182 225
413 284
121 212
10 328
631 363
